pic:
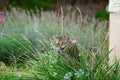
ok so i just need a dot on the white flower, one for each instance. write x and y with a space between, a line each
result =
79 54
51 66
79 73
55 73
87 74
87 64
68 75
54 61
80 70
18 74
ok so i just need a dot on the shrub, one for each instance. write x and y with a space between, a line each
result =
32 4
15 48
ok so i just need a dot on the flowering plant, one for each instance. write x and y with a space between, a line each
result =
0 16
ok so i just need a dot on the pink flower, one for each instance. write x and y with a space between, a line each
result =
74 41
0 16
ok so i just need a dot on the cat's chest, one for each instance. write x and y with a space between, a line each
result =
70 52
71 47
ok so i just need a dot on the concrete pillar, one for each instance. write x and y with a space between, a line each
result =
114 30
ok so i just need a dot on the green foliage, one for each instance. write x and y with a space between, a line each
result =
32 4
102 15
13 47
56 67
22 34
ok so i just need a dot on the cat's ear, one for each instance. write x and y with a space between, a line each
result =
67 36
55 38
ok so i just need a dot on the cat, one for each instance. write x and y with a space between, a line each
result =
67 47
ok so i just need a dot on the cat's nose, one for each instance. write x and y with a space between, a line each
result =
62 48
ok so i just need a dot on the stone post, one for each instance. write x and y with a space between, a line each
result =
114 30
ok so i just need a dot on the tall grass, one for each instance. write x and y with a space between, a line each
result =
27 47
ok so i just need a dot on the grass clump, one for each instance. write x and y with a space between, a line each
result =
28 45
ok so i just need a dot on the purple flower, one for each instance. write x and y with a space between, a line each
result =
0 16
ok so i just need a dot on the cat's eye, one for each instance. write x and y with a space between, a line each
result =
62 43
57 44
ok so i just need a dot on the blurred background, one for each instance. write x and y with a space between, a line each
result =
95 8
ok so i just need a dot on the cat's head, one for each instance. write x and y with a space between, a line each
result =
62 41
